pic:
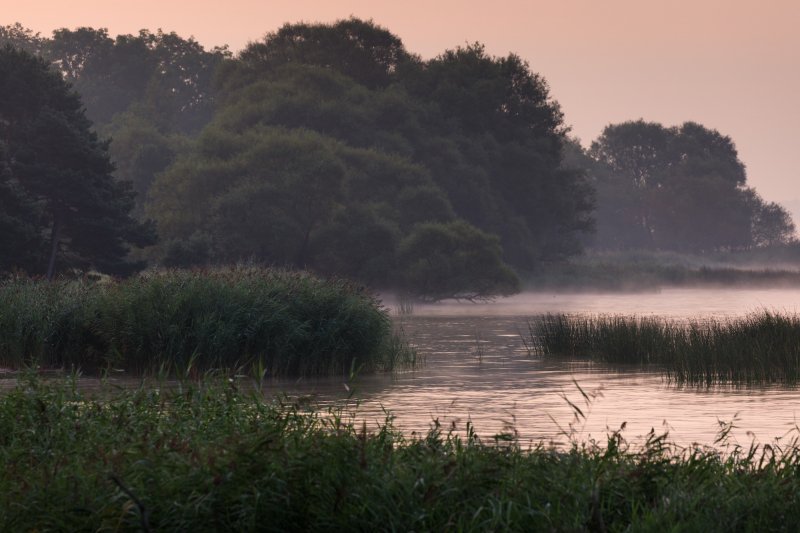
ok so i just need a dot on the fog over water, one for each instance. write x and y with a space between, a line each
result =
678 303
477 368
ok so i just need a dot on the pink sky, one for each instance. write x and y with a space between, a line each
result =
733 65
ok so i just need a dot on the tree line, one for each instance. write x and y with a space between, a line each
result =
334 148
680 188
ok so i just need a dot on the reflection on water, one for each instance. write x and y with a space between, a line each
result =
477 368
682 303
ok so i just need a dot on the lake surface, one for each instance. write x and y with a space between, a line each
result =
478 369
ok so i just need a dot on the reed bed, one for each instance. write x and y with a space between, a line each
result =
760 348
281 323
207 456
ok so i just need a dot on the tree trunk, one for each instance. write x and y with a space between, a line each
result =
301 254
55 236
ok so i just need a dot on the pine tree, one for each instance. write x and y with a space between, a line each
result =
58 174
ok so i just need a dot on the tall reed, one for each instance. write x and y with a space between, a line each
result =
286 323
207 456
757 349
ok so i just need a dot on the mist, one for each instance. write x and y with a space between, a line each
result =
333 228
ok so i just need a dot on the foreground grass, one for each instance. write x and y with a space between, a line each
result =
278 322
758 349
208 457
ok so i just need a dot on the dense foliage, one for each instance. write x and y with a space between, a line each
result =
681 188
331 147
273 322
326 146
57 193
160 76
146 91
207 456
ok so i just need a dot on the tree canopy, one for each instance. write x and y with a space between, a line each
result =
146 91
680 188
56 183
359 49
332 145
454 260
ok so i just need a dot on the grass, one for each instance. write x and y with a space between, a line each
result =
211 456
758 349
405 305
283 323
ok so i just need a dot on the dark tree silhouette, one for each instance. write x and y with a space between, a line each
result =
681 188
58 173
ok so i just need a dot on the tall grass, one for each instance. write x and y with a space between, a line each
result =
285 323
758 349
209 457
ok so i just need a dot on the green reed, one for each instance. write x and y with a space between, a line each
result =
213 455
286 323
760 348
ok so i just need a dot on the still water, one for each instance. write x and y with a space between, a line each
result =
478 369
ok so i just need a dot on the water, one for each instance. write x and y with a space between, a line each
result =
681 303
478 369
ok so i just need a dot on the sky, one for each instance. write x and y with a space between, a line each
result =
731 65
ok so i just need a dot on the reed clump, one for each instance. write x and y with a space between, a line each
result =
757 349
283 323
210 456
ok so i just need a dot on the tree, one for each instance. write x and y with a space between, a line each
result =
262 194
772 224
454 260
700 214
55 162
359 49
167 78
636 157
144 90
360 242
681 188
22 243
140 150
484 129
465 139
500 159
22 38
161 75
275 216
194 251
498 95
